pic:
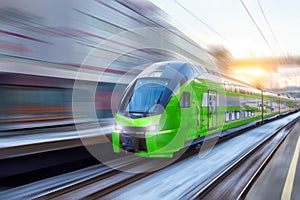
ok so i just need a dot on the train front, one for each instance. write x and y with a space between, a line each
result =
149 116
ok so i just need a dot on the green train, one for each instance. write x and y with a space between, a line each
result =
174 104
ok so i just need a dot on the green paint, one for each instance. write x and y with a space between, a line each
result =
178 125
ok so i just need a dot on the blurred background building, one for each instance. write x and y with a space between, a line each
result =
44 43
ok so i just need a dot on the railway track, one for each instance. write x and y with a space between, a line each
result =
100 181
238 177
32 155
195 178
58 185
92 182
99 186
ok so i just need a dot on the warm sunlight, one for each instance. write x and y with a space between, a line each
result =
253 75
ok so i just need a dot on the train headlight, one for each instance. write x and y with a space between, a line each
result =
151 128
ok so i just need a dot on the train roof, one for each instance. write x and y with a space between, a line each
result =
172 70
183 71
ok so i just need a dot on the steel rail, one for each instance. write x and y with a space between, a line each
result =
202 190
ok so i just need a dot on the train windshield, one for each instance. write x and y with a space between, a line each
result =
147 96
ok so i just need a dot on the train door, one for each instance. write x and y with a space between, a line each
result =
189 109
212 109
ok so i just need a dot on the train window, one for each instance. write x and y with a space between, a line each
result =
242 90
185 100
187 71
237 114
232 116
227 116
249 91
232 88
212 102
226 84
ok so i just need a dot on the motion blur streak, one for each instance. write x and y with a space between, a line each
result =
43 43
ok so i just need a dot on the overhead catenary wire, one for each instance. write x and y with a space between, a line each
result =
252 19
201 21
257 27
268 23
269 26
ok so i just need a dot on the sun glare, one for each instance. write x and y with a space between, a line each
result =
253 75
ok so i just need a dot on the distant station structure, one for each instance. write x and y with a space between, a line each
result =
281 74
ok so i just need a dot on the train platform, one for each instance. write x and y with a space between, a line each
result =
22 125
34 124
281 177
20 141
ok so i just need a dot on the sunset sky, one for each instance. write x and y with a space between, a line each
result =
226 22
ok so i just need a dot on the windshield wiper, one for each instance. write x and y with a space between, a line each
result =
158 100
132 112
